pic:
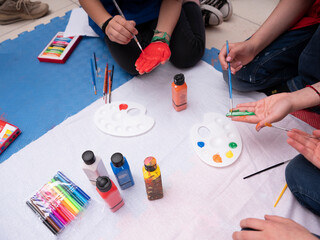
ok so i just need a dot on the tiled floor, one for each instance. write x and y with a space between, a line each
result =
248 16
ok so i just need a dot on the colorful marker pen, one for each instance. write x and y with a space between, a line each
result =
75 186
65 201
46 210
66 194
64 219
70 190
44 221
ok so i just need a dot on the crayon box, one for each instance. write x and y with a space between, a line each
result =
8 133
59 48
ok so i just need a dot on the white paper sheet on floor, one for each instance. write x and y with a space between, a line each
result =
200 201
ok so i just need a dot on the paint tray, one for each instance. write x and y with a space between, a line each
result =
59 48
8 133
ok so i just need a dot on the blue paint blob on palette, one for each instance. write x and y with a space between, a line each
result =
216 140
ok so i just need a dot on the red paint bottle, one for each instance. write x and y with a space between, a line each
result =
179 93
109 192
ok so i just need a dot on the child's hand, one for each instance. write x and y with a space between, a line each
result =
120 30
272 228
308 146
268 110
154 54
239 55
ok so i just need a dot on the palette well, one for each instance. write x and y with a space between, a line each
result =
124 119
216 140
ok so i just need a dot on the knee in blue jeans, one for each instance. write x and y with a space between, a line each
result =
302 178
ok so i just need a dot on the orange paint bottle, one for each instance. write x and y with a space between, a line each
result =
179 92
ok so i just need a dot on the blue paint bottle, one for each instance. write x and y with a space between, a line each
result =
121 170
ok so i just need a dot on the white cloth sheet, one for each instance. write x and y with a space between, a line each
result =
200 201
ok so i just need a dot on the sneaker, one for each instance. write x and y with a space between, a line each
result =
224 6
16 10
211 15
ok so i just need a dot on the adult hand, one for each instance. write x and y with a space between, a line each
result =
267 110
154 54
272 228
239 55
120 30
306 144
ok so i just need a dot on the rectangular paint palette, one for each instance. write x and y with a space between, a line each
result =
59 48
216 140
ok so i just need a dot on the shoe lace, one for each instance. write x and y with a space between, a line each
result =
214 3
25 3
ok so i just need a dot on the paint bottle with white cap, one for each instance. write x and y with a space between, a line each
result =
93 166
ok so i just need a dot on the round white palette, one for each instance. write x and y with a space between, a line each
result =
216 140
123 119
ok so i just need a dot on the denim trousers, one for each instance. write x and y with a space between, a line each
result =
293 58
303 180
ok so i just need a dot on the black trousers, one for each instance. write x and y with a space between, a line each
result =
187 43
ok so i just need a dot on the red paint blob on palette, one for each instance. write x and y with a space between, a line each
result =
123 106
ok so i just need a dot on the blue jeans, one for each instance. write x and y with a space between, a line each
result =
303 180
293 58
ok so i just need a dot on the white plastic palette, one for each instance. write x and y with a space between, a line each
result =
216 140
123 119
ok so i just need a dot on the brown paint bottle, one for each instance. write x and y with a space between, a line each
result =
179 92
152 178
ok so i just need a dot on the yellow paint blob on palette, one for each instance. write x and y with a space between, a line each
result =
216 140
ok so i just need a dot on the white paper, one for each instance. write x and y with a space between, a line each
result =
78 24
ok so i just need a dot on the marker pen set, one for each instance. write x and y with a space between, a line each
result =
58 203
59 48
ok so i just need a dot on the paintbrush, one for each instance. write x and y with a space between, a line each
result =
121 13
93 77
95 63
281 128
111 81
266 169
287 130
282 192
229 78
105 83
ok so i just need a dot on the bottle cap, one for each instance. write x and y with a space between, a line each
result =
117 159
103 183
88 157
150 164
178 79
